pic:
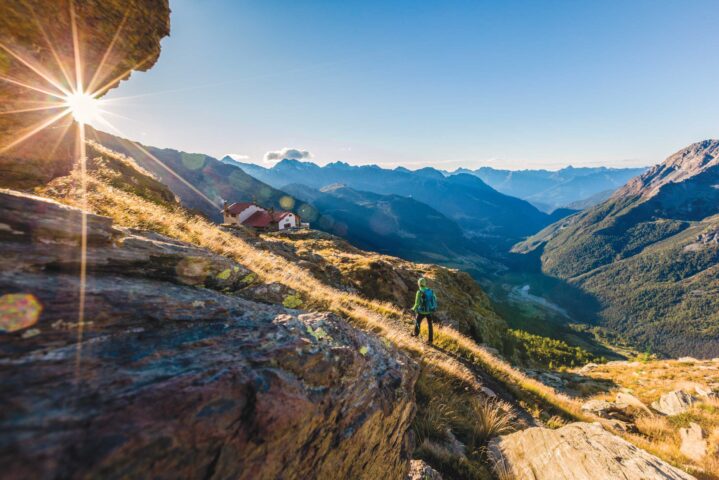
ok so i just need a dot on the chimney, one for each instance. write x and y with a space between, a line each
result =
224 207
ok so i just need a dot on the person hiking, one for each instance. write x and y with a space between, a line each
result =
425 304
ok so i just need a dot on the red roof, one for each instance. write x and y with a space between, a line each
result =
259 219
237 208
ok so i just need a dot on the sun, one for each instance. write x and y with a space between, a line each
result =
83 106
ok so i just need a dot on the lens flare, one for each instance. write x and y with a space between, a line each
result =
84 107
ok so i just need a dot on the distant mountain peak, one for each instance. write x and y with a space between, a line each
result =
429 172
338 164
292 163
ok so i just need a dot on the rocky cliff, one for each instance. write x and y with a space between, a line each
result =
170 373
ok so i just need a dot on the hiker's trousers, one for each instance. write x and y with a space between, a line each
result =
418 323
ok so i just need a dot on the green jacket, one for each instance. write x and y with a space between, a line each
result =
417 299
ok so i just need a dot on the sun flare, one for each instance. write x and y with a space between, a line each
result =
84 107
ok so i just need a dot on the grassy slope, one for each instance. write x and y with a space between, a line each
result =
453 374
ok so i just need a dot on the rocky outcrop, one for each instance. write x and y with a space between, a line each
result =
622 411
630 404
170 375
674 403
38 51
579 451
694 443
419 470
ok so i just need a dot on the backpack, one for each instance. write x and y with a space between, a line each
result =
427 301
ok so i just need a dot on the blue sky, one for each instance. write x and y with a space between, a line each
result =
444 83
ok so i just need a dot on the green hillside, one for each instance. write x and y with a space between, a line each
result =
649 254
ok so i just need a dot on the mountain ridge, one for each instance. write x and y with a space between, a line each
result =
480 210
648 253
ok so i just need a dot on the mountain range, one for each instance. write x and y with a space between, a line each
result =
649 254
480 211
549 190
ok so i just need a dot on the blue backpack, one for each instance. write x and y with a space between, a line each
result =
427 301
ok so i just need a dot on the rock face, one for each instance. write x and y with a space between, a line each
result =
673 403
579 451
694 444
39 33
173 377
419 470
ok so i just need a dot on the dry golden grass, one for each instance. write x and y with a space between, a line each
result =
659 434
502 470
654 426
491 418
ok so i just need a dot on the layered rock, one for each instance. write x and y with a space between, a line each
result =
579 451
168 376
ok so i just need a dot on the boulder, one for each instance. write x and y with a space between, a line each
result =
165 378
419 470
578 451
488 392
630 404
687 360
600 408
705 392
552 380
624 408
673 403
694 443
588 368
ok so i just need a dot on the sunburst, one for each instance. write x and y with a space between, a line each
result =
72 97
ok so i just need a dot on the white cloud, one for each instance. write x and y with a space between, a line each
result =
238 156
289 153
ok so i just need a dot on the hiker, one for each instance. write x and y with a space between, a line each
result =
425 304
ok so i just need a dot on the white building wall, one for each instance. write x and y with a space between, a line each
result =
288 221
